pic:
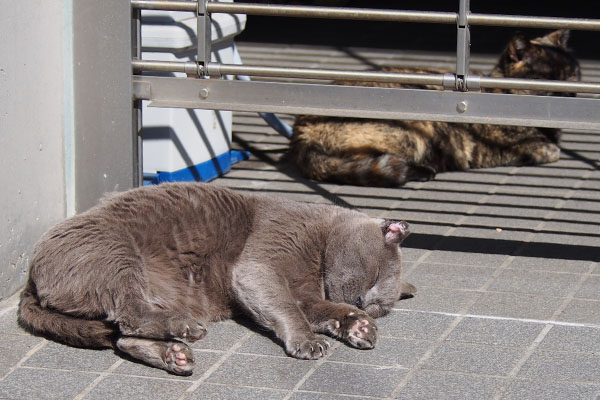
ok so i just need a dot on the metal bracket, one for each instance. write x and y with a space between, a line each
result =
204 37
214 70
463 43
369 102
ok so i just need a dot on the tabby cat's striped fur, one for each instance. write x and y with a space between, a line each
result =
392 152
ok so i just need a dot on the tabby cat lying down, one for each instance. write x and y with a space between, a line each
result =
391 152
155 264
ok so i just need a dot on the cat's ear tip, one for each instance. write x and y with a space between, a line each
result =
557 38
395 231
407 289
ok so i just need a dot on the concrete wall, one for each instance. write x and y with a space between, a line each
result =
65 119
103 136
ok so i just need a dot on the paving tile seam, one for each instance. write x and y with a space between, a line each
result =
6 310
584 383
10 303
201 350
434 346
465 373
429 189
23 367
487 345
527 195
311 371
509 268
563 352
469 213
168 377
27 356
262 355
528 239
17 334
572 295
483 291
500 318
561 203
497 272
228 385
408 338
99 379
195 384
425 357
352 396
465 290
526 355
376 366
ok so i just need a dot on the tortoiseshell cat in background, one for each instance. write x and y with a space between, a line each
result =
391 152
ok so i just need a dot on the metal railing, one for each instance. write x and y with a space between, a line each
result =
572 112
366 14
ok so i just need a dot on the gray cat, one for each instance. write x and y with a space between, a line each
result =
155 264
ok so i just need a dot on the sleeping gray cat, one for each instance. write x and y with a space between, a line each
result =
155 264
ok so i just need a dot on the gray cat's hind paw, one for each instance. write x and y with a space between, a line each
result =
179 359
310 349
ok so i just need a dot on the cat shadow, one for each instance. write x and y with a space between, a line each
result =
254 327
362 59
283 165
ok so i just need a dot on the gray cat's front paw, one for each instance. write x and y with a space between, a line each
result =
187 329
358 329
309 349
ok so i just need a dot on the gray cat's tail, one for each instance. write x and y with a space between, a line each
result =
363 169
63 328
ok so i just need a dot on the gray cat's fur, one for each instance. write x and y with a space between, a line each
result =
155 264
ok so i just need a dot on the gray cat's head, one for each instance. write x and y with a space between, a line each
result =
363 264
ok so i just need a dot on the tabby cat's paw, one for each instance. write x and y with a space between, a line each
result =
546 153
309 349
420 173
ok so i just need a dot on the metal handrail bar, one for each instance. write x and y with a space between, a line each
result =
524 21
165 5
445 80
372 14
215 69
485 82
188 67
364 14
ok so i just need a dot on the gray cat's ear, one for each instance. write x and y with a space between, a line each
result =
407 290
394 231
558 38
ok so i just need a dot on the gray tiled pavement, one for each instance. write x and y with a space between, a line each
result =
506 261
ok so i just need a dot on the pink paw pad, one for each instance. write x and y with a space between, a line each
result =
179 359
360 334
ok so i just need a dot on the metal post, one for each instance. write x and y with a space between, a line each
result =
136 111
204 36
463 43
